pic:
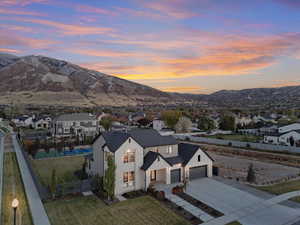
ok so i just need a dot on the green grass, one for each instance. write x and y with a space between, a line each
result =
92 211
234 223
237 137
282 188
13 188
64 166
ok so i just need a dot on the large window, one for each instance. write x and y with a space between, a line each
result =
128 178
129 156
169 150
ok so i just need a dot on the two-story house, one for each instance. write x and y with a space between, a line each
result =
75 124
143 157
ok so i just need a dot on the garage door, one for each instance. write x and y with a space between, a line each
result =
198 172
175 176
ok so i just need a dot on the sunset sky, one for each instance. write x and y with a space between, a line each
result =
193 46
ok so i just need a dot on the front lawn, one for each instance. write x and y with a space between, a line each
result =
13 188
282 188
237 137
92 211
64 167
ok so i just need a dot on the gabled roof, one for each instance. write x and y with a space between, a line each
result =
144 137
150 158
187 151
115 139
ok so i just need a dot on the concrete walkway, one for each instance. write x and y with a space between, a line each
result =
39 215
195 211
1 169
242 206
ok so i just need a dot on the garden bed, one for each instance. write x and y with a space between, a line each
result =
209 210
134 194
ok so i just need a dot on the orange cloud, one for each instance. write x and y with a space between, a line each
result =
284 83
183 89
69 29
8 50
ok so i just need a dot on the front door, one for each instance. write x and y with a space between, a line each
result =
153 175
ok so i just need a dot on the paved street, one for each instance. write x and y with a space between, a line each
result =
38 212
242 206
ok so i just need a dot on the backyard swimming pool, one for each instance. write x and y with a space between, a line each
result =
54 153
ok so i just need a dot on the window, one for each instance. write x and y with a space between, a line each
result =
129 156
128 178
199 158
169 150
153 175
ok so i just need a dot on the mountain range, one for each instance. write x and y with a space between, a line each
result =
41 80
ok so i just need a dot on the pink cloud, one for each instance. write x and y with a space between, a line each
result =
20 2
19 12
70 29
97 10
9 50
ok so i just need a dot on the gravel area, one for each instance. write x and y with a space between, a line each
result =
235 167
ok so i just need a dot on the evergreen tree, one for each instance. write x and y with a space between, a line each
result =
251 174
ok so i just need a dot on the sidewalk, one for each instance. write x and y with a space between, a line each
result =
39 215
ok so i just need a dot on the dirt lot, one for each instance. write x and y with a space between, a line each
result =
266 172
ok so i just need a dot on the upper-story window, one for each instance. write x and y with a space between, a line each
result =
129 156
169 150
199 158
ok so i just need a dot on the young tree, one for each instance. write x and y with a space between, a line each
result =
183 125
251 174
171 117
106 122
109 178
46 146
204 123
53 183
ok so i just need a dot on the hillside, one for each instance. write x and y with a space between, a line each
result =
41 80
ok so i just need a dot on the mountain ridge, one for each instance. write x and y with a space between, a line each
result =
41 80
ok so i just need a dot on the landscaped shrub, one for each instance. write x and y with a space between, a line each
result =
251 174
187 139
230 144
248 145
177 189
160 195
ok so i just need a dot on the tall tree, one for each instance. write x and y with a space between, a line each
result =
171 117
227 123
109 177
106 122
183 124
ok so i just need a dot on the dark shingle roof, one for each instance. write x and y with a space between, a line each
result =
75 117
174 160
144 137
187 151
150 158
115 139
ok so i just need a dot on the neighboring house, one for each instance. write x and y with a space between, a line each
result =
82 124
259 118
216 119
287 128
42 122
143 157
283 138
158 124
136 116
23 121
102 115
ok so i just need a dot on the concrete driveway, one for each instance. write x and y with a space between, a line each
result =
237 204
